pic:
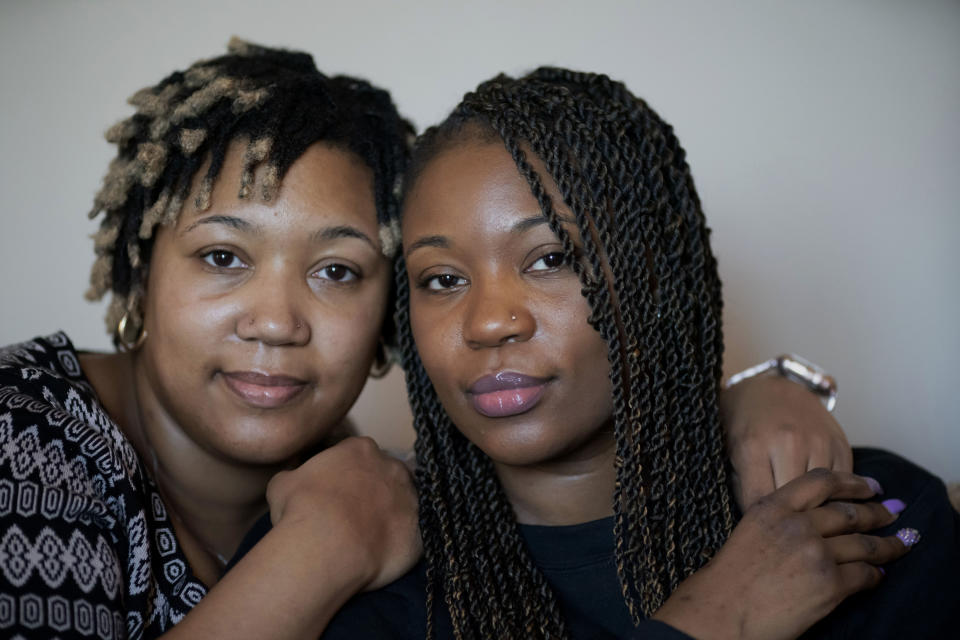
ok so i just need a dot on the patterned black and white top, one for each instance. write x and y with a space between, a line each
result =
86 545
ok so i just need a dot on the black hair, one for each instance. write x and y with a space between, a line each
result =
275 99
651 281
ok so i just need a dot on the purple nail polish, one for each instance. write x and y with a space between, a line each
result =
873 484
908 536
894 506
882 571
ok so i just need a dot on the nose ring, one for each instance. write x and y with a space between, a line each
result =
513 317
299 324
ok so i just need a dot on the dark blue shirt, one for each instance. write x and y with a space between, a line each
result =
918 598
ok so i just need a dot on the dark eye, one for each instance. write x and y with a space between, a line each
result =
337 273
223 259
443 281
552 260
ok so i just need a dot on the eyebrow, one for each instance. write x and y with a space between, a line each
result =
439 242
534 221
231 221
342 231
327 233
521 226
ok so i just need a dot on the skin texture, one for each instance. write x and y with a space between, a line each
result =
295 289
776 430
358 533
490 294
485 298
792 559
248 286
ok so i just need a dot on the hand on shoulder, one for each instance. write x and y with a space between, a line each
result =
354 496
777 430
793 558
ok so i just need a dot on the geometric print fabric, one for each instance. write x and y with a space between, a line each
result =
86 545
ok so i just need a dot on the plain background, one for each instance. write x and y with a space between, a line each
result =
824 137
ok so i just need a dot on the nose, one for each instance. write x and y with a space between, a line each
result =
496 314
271 311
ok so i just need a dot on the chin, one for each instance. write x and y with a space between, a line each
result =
519 446
537 444
270 444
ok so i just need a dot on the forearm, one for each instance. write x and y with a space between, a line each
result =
703 613
344 521
283 588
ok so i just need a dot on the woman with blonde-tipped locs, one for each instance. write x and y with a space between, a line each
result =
246 241
248 227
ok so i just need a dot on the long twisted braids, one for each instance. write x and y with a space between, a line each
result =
275 99
651 282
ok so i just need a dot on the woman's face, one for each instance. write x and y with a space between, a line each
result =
263 317
498 319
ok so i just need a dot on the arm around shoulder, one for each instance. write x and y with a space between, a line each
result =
344 522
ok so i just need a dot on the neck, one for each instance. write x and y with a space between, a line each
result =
567 490
211 500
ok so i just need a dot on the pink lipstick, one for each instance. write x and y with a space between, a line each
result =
506 393
263 391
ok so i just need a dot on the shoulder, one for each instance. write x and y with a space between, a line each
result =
46 401
41 374
928 505
899 473
918 597
52 355
80 521
928 508
395 611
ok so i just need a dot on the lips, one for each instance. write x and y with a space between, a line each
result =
263 391
506 393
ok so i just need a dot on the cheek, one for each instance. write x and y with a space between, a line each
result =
419 320
435 334
181 321
347 334
180 313
586 354
181 302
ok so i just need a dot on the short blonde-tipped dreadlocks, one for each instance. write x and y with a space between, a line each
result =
275 99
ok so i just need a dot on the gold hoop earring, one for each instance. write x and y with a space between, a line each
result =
382 362
129 343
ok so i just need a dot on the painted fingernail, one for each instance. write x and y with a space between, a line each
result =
882 571
908 536
894 506
873 484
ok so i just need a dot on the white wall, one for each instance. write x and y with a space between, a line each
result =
824 136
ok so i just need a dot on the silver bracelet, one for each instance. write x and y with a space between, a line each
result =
793 367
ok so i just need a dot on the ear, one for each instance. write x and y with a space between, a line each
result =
382 360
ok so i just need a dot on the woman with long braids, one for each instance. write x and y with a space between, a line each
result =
248 225
559 320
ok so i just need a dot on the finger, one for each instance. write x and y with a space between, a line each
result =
858 547
753 473
788 460
843 458
822 454
836 517
857 576
819 485
752 482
